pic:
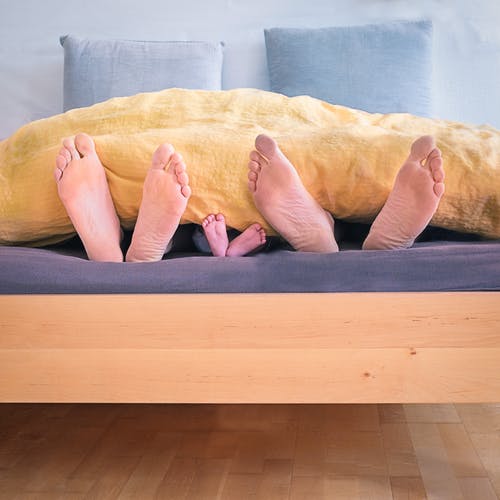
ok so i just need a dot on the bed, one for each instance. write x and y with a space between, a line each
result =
414 326
141 334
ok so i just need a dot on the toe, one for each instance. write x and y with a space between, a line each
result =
179 167
186 191
66 153
422 147
69 144
208 219
252 186
183 179
60 166
61 162
254 166
254 156
162 156
57 174
439 189
84 144
252 176
178 163
435 162
219 217
266 146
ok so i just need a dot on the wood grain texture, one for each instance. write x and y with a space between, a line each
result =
251 348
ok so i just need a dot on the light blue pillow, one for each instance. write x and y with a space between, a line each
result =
382 68
96 70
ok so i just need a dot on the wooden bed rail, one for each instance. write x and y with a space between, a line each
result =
435 347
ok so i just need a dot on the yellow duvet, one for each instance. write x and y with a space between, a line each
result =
347 159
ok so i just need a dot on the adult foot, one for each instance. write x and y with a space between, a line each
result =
214 227
84 192
414 199
284 202
164 198
251 238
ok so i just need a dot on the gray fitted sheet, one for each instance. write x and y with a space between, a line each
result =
429 266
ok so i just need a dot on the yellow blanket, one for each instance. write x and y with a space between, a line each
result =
347 159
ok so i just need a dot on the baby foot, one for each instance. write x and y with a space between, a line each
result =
284 202
165 195
250 239
414 199
214 227
84 192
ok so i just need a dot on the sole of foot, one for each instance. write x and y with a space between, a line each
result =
84 192
165 195
214 228
285 203
413 201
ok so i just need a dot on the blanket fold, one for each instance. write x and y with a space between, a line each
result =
347 159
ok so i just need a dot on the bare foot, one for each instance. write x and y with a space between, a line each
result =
214 227
284 202
164 198
414 199
84 192
251 238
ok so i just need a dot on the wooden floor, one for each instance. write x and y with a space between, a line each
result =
250 451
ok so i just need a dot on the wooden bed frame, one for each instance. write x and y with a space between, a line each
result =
251 348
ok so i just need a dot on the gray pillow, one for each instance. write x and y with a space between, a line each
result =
96 70
384 68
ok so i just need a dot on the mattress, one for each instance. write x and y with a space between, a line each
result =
435 264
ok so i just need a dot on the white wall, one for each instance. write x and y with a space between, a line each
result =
466 68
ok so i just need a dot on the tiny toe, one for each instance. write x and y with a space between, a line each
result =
252 176
252 186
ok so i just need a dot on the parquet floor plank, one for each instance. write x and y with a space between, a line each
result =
250 451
